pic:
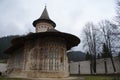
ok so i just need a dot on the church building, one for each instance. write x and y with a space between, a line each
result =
42 54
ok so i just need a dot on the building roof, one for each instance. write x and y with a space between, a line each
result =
44 18
44 14
52 30
70 39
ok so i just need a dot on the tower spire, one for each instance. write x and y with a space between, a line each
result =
44 18
45 14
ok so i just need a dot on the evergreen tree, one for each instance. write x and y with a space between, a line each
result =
106 52
119 56
98 56
5 42
88 56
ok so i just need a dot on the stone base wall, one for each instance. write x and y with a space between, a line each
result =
47 74
37 74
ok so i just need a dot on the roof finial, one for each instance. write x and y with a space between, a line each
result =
45 5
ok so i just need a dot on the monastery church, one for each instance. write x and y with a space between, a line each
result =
42 54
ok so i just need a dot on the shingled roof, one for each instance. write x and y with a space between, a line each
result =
19 42
44 14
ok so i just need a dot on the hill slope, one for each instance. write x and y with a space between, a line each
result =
76 56
5 42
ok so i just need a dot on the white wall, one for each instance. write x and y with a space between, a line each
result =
117 64
84 67
109 66
73 68
3 67
100 66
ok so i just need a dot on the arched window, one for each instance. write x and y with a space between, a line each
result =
46 52
61 59
51 52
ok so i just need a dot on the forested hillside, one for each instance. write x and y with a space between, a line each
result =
5 42
76 56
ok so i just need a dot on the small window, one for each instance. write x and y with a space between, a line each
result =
61 60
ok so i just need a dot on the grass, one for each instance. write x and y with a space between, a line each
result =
85 78
3 61
4 78
98 78
101 78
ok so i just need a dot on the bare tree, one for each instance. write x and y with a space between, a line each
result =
118 13
117 33
90 42
107 37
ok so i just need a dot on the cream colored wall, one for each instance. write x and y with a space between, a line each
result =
42 27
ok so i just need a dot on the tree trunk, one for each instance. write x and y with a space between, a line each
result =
105 66
94 66
113 64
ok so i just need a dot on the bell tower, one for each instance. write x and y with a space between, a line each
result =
44 23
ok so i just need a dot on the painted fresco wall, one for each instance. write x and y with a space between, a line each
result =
44 57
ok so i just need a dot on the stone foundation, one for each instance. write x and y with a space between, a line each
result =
38 74
47 74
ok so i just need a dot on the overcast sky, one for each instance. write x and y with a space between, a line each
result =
16 16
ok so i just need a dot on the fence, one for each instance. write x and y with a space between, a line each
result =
83 67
